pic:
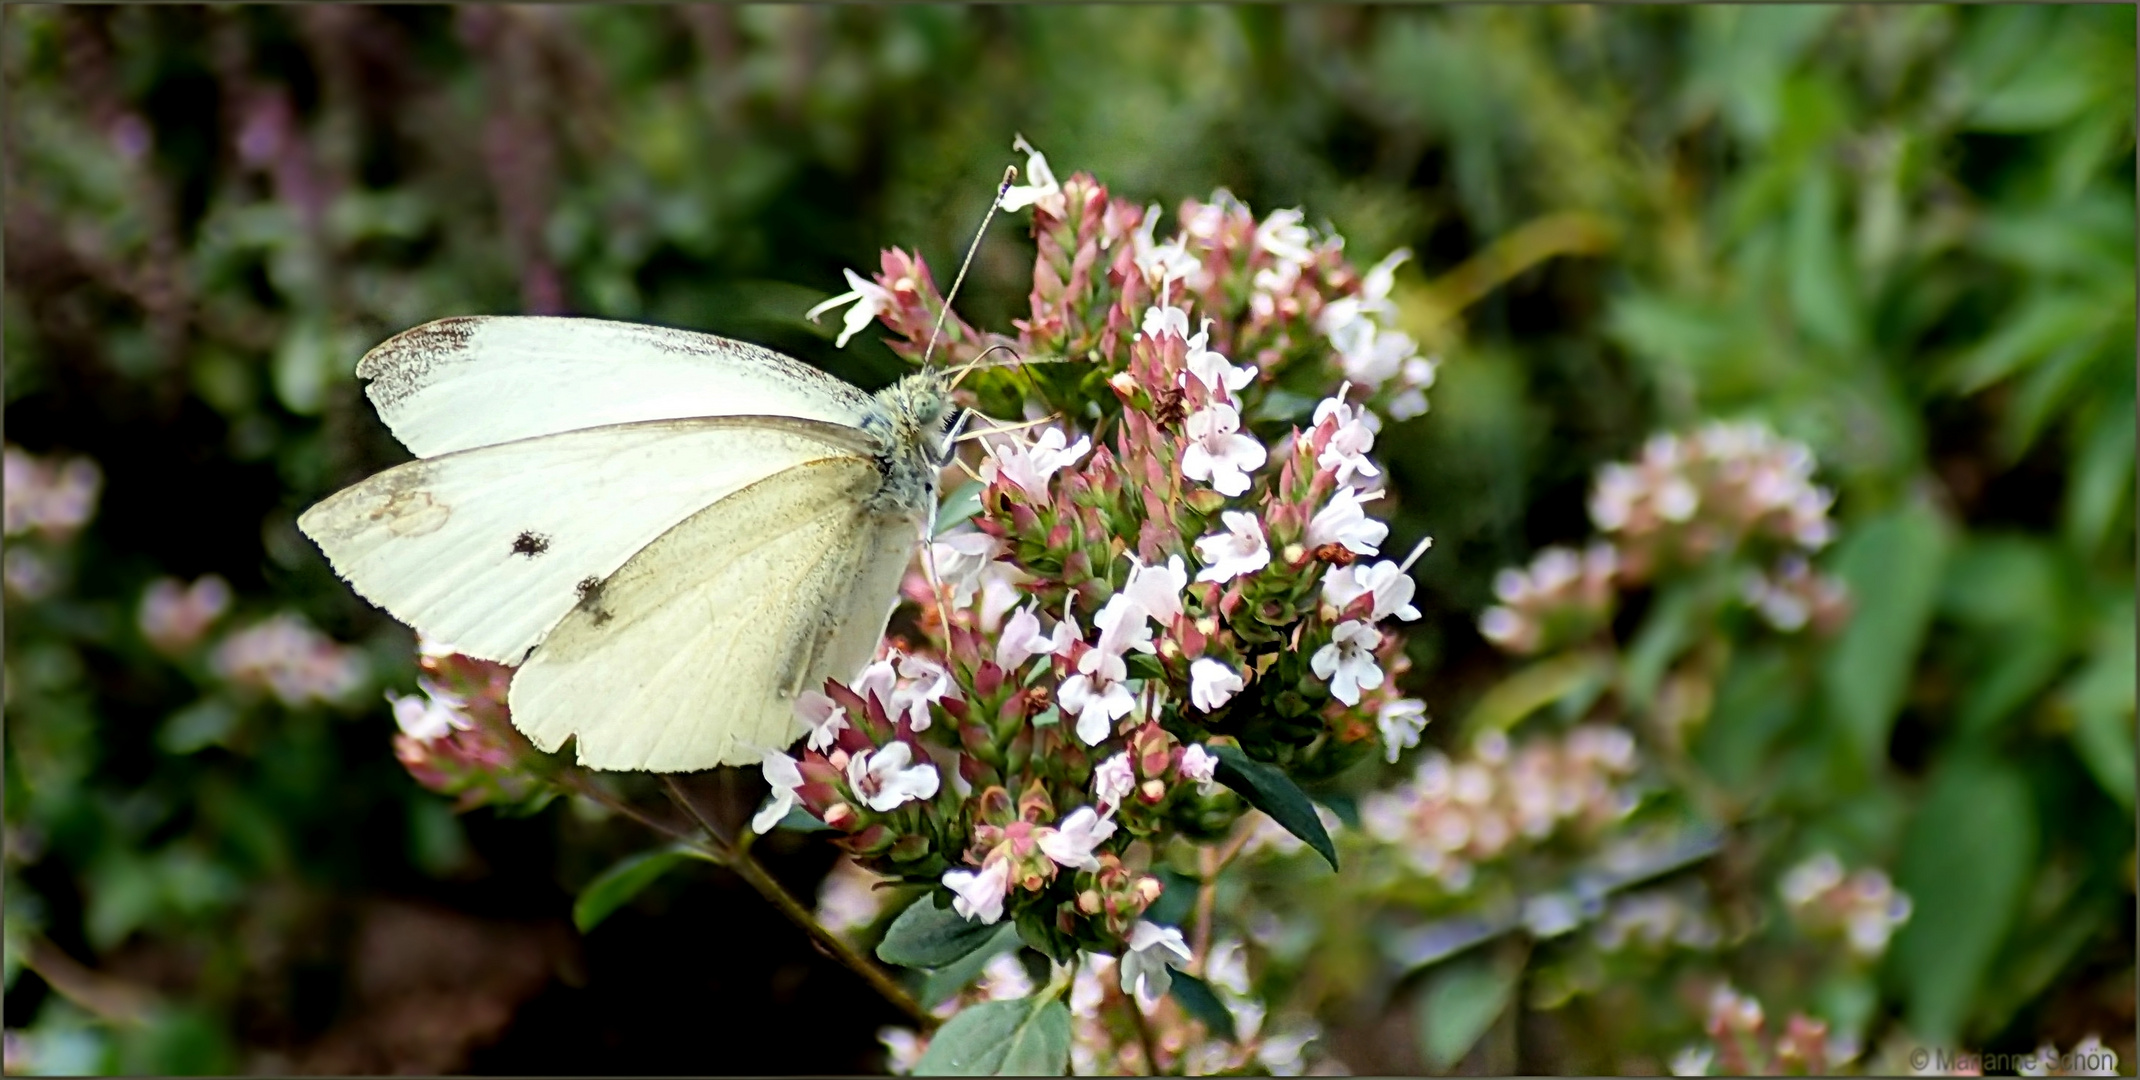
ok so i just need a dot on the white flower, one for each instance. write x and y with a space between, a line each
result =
1096 694
1217 453
824 717
869 299
1392 588
1029 467
1355 436
1157 589
1200 765
1401 722
433 715
959 560
1376 284
1239 550
1212 683
932 684
781 773
1021 639
1039 190
1113 780
1349 660
883 780
1123 626
1004 978
1345 522
879 681
1211 368
1153 950
1377 355
1283 235
1159 320
1072 842
980 896
1167 262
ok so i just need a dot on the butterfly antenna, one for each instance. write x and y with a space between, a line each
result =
1001 428
1010 173
976 363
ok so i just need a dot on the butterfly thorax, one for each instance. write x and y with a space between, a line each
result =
913 427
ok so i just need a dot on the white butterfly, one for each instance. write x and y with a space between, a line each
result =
672 534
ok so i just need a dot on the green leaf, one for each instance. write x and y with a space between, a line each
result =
1822 293
1892 567
958 507
2101 695
927 936
1462 999
956 975
800 820
1200 1002
1269 789
1535 687
1666 631
1965 864
1027 1037
2102 477
616 886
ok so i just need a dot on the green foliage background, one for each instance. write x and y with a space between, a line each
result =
1904 235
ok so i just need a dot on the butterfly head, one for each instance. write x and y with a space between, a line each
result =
919 423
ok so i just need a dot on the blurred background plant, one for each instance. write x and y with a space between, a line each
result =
1902 237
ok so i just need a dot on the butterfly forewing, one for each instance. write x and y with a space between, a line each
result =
482 380
691 655
486 549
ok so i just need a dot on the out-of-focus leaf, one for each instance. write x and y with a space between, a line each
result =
616 886
1199 1001
205 723
1027 1037
175 1041
1892 567
1822 283
1965 864
2043 324
955 976
800 820
1269 789
2101 696
1758 698
2102 478
1668 628
1459 1003
1534 688
927 936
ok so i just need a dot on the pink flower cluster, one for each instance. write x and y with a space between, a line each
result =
50 496
173 615
285 656
1189 568
1727 491
1864 908
1453 815
1690 497
454 737
1740 1044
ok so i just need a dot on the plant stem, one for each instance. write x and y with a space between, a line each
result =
1214 860
1144 1035
736 858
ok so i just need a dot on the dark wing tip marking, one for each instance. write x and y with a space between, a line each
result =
530 543
401 364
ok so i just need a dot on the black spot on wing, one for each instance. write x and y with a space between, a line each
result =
530 543
590 590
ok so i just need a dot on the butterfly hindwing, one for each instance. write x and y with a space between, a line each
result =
691 655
